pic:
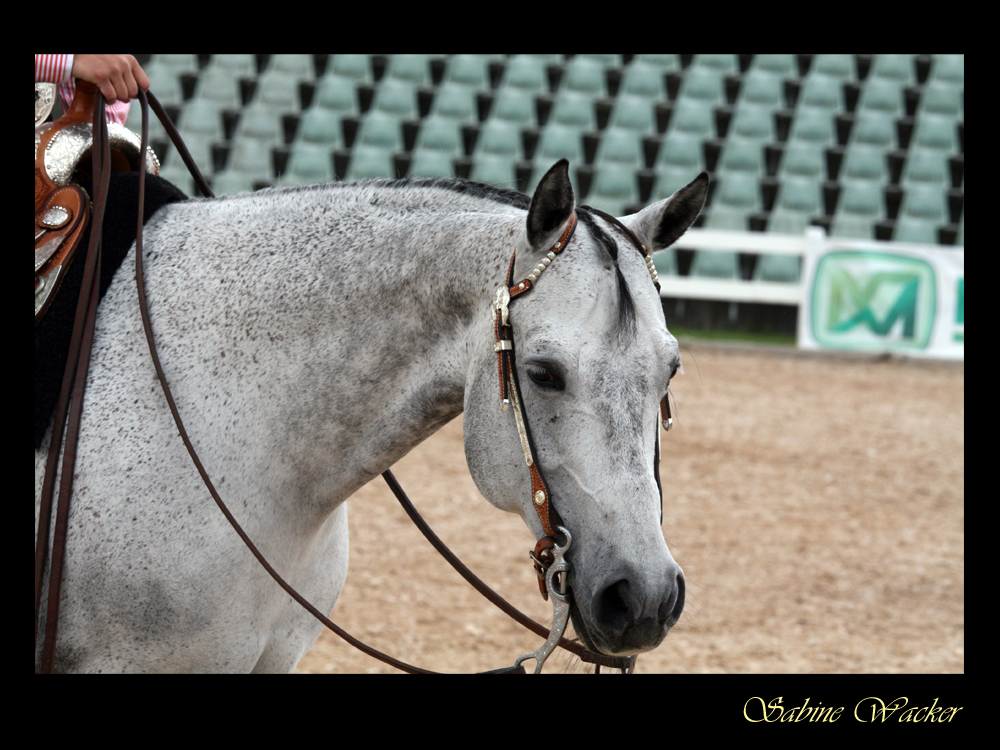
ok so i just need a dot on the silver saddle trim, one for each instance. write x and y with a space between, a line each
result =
68 147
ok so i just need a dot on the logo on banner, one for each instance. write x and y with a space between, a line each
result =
873 300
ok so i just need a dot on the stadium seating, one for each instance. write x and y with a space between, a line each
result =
865 145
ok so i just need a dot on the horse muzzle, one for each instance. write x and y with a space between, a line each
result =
628 615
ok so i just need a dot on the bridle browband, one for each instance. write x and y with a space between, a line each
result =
548 554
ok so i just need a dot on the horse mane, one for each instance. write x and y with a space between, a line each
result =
479 190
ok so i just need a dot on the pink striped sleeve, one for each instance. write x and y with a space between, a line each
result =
118 111
53 68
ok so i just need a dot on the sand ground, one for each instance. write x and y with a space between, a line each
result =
816 505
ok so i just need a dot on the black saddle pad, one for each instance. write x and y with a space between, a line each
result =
53 333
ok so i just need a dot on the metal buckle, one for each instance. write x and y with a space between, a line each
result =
500 302
557 582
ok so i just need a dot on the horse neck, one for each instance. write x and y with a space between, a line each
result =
378 325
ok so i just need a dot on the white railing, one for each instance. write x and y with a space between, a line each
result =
737 290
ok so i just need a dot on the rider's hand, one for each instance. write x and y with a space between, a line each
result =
117 76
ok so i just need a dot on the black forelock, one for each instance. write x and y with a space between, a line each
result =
626 307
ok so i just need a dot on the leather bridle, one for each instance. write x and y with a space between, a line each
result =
551 548
548 554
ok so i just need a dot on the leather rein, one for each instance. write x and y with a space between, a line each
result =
65 433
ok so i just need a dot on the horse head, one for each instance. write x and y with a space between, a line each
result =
594 360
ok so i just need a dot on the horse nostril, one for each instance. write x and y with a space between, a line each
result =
614 609
669 611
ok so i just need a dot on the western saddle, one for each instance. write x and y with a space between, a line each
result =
62 206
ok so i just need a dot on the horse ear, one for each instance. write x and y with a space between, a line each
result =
551 206
660 225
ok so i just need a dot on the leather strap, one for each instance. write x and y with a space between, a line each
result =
541 497
70 407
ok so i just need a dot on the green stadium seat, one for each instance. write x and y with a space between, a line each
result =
526 72
669 179
499 137
368 162
180 63
941 98
358 68
718 264
738 193
414 69
236 66
925 201
723 64
514 105
574 108
620 146
559 142
614 189
874 128
782 66
337 93
469 70
937 132
165 82
899 68
882 94
633 112
861 204
762 88
456 101
320 125
200 125
822 92
644 79
608 60
217 85
431 163
866 163
704 85
494 169
693 116
251 157
308 163
798 200
948 68
924 165
754 122
259 124
439 133
780 268
681 150
813 125
742 155
279 91
396 97
380 129
664 62
585 76
841 67
802 159
298 67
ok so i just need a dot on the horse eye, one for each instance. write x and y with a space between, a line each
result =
545 377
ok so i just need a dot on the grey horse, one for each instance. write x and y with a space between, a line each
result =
312 337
